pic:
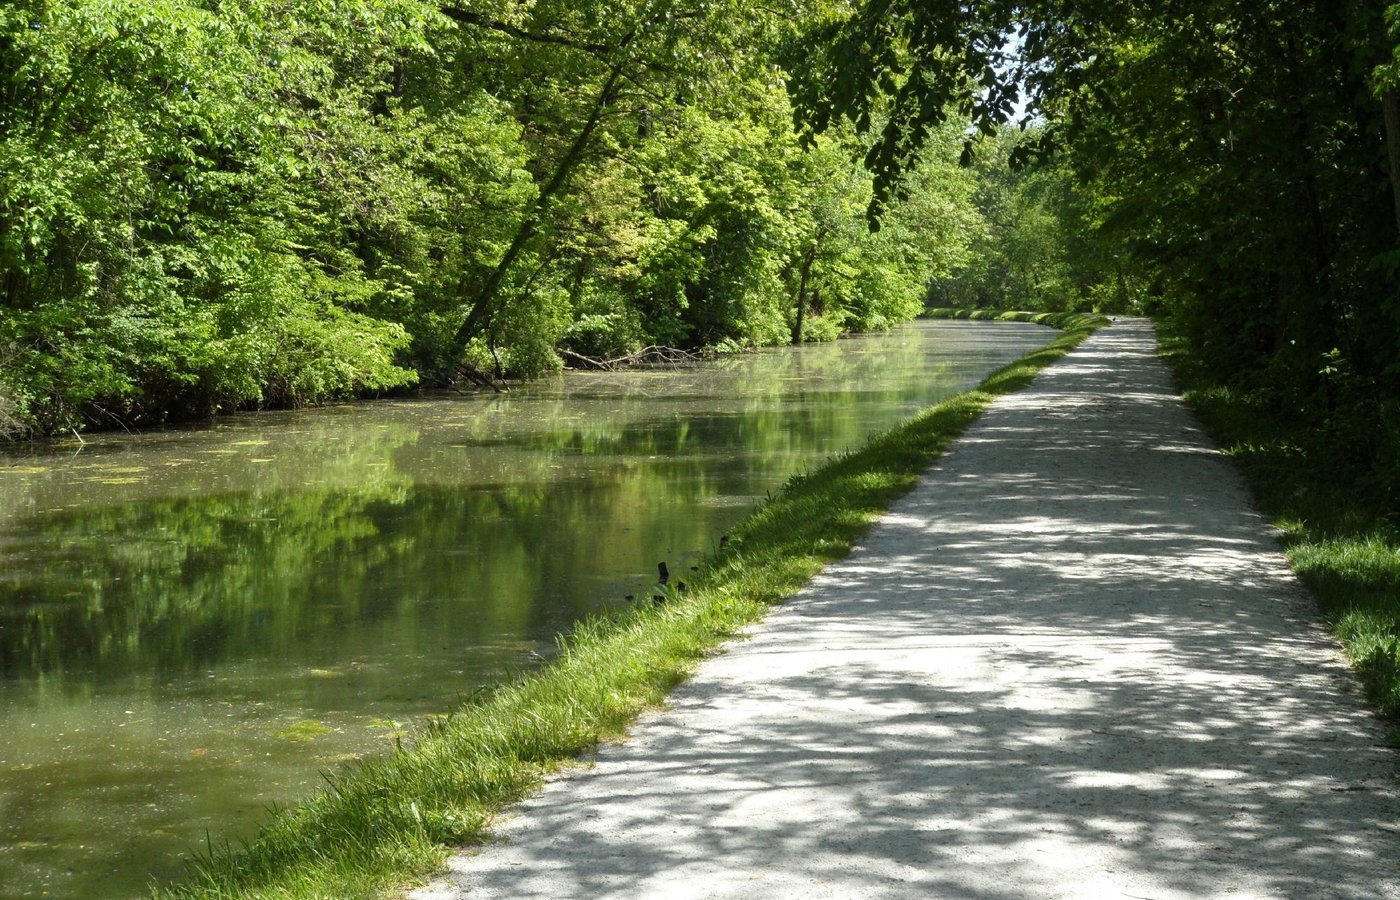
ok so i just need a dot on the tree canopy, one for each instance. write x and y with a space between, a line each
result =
1232 163
208 205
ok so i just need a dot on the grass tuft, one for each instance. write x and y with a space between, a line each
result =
386 823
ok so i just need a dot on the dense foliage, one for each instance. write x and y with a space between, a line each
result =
207 204
1233 164
1032 244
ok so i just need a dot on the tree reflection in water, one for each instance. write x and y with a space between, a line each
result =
193 623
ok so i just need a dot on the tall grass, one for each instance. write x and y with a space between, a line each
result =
387 822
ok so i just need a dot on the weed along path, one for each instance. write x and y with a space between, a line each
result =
1072 663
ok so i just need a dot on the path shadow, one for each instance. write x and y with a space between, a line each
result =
1072 664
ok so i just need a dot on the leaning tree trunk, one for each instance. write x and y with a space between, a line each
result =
488 296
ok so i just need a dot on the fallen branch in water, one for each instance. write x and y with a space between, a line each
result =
480 378
645 357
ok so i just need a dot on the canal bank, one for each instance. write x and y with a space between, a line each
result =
388 822
1071 663
195 623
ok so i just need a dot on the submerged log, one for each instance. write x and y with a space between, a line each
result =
647 357
480 379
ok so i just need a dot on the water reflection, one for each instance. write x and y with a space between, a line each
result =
193 623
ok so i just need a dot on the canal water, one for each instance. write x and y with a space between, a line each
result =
195 623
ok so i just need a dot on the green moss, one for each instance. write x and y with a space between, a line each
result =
304 731
387 822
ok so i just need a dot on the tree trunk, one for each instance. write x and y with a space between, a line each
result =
484 306
1390 104
802 295
1318 233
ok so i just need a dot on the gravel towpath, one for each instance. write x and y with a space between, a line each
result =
1072 663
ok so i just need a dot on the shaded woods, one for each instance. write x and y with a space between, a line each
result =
1231 165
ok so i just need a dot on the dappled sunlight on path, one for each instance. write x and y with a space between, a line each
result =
1071 664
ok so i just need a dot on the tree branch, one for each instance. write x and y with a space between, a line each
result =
478 20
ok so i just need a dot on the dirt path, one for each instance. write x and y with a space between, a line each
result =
1071 664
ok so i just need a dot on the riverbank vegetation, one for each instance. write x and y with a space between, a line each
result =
208 205
388 821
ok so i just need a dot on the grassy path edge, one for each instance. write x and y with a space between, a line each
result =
1342 544
387 823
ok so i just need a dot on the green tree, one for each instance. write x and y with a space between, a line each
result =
157 250
207 205
1235 152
